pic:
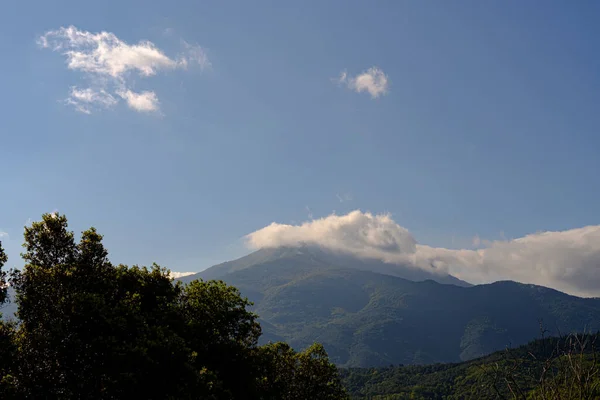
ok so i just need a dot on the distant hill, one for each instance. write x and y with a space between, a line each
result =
366 317
472 379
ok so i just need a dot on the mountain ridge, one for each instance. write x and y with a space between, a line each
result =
367 318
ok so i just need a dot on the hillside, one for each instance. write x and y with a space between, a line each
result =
366 318
475 379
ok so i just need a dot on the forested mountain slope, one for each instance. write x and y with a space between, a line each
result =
367 318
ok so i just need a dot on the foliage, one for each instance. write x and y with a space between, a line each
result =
299 376
565 368
90 329
8 347
222 334
3 287
546 369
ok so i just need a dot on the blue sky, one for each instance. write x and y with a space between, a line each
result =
488 127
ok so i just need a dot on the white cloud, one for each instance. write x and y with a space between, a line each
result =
4 235
84 99
361 234
566 260
108 62
176 275
373 80
105 54
144 102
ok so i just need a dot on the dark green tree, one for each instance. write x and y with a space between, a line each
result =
8 348
223 335
291 375
90 329
3 275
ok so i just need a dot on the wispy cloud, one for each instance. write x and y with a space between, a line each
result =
310 214
374 81
564 260
195 55
4 235
477 242
343 197
84 100
143 102
108 63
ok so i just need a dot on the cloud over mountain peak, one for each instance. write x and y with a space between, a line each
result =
565 260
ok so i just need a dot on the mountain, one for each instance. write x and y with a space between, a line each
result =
318 257
366 317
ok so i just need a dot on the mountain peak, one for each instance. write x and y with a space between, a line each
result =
318 257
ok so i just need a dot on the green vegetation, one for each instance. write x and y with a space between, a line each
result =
368 319
551 368
88 329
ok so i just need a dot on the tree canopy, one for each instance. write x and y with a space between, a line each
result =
90 329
